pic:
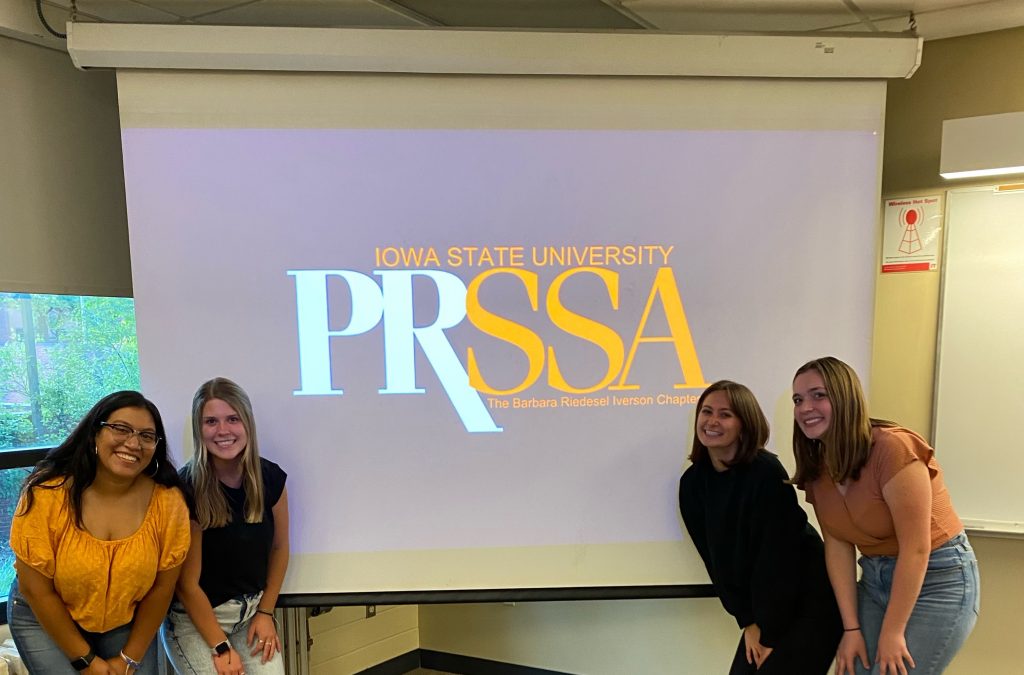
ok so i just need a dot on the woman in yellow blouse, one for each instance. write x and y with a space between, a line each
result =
100 535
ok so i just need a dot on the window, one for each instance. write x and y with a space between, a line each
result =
10 487
59 354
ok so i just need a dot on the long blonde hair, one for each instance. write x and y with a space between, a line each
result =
843 449
210 504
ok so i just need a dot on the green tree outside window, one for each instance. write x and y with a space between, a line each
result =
59 354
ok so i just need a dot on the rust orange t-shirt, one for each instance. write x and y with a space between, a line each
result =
861 516
100 581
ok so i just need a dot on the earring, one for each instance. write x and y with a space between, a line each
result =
155 468
96 449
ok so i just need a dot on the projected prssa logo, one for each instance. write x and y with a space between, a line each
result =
384 298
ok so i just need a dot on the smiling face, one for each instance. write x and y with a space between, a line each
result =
718 429
223 431
124 456
812 407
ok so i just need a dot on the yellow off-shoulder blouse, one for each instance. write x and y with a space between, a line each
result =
100 581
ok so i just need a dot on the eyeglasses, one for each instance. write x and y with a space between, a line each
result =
122 432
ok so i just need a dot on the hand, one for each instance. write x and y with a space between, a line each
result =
757 653
262 637
228 663
851 647
100 666
116 665
892 651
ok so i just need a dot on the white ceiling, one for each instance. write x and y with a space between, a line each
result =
934 18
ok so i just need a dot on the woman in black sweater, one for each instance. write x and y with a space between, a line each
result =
765 560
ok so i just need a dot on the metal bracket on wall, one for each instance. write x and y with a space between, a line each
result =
295 639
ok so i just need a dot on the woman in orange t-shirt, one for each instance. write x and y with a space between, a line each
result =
100 535
877 488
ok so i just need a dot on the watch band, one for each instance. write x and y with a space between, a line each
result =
220 648
82 662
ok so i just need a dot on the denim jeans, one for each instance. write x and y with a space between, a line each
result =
945 611
42 655
188 651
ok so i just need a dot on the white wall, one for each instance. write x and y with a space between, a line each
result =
595 637
345 641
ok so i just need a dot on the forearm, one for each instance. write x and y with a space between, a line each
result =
275 577
150 613
841 564
53 616
193 597
908 576
200 611
777 588
279 552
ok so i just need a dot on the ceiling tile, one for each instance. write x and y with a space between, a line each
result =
935 18
313 13
123 11
564 14
731 16
190 8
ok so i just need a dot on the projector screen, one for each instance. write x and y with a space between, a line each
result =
474 314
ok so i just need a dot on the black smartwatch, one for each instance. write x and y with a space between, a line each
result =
220 648
82 662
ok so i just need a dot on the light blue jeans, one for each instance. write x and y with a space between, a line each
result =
188 652
945 612
42 655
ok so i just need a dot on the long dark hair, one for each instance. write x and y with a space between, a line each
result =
75 458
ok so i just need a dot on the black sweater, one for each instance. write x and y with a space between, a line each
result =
764 559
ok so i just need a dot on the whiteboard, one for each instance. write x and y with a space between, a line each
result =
979 383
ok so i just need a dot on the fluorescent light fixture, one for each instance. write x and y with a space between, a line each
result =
493 52
980 173
990 145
